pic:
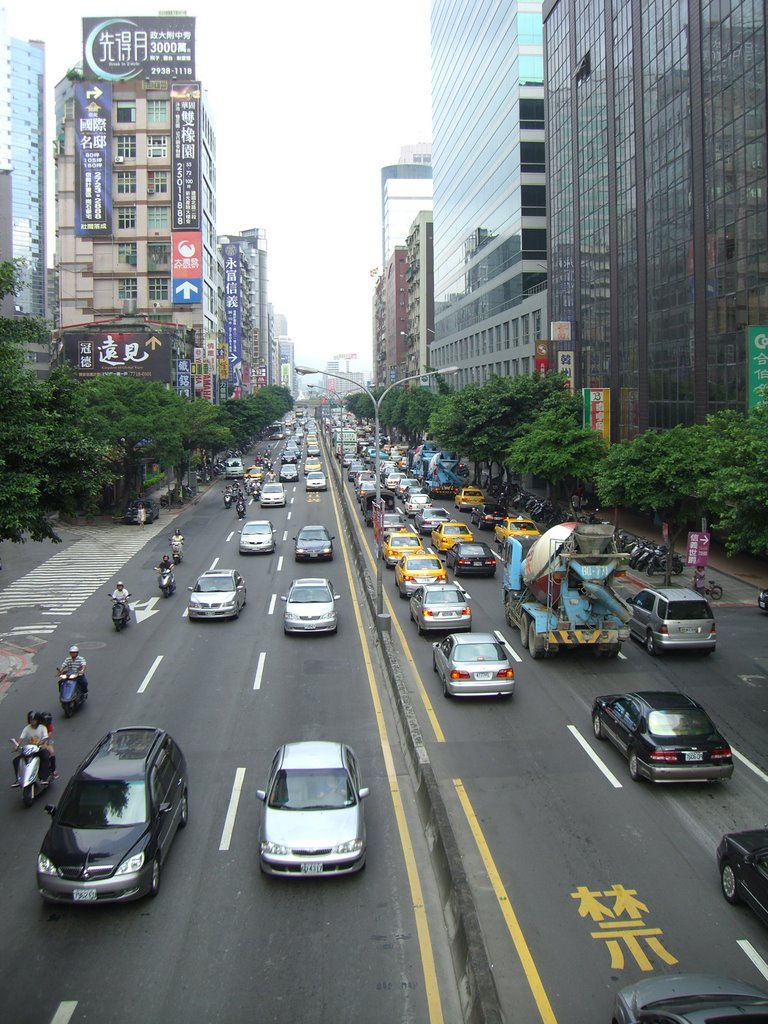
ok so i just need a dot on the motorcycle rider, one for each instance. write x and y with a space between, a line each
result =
75 664
177 538
35 734
121 594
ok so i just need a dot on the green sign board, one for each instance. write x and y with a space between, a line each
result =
757 365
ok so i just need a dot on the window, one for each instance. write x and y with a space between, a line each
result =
157 146
126 146
537 323
158 288
157 183
526 329
158 255
157 111
127 253
127 288
126 182
126 111
158 217
126 216
515 333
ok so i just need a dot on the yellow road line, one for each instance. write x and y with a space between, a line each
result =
510 918
431 986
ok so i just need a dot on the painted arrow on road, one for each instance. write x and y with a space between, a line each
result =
145 609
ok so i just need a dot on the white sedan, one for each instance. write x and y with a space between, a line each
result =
416 503
316 482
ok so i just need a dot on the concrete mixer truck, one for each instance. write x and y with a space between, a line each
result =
560 593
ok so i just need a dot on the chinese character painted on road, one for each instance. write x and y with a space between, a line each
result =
619 915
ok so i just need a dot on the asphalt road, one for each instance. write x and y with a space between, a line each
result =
222 942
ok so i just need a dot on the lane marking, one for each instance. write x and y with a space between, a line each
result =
285 535
507 645
234 800
148 676
288 516
214 564
590 753
272 604
754 956
505 905
753 767
229 538
64 1012
259 670
280 563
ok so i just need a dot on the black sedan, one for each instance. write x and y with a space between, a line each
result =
762 600
289 473
471 558
742 858
489 515
313 543
666 737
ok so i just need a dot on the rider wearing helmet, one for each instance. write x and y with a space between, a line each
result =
74 664
121 594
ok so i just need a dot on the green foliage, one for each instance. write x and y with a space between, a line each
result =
247 417
360 405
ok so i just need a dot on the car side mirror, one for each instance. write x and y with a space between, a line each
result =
283 598
363 793
164 807
51 808
190 588
337 597
260 793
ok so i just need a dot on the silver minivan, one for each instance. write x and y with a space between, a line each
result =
672 618
233 469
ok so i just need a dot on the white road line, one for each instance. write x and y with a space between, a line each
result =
288 516
272 604
149 674
510 649
623 656
229 538
259 670
229 822
185 613
213 564
285 535
753 767
280 563
590 753
292 501
754 956
64 1012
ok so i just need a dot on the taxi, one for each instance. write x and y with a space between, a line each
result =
417 570
255 473
399 543
447 534
468 497
312 465
515 526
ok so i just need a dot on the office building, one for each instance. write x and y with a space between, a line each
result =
490 240
420 299
406 188
657 201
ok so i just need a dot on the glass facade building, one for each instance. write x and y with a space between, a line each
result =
490 241
656 134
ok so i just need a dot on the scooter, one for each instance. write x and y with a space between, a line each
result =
71 696
28 772
177 551
227 500
167 581
240 509
121 614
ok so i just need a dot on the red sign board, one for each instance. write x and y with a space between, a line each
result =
698 548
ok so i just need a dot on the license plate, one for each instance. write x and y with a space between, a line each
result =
688 629
694 755
313 554
483 675
476 563
311 869
84 894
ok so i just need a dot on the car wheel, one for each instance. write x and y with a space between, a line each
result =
419 630
728 883
434 665
446 692
634 767
597 726
403 594
184 813
154 882
650 643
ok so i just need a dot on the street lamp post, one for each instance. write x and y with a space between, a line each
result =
383 619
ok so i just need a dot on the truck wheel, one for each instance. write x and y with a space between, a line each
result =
524 633
535 648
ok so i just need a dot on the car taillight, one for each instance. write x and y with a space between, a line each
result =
409 579
665 756
721 754
427 614
455 674
465 611
664 630
505 673
487 518
463 561
490 561
712 631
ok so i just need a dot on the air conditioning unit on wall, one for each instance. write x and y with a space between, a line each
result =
119 159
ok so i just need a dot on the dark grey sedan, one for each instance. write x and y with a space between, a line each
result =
742 858
694 998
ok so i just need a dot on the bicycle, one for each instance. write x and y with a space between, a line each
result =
710 589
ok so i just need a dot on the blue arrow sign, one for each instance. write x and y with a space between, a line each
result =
187 290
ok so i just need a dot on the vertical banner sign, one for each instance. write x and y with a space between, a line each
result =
185 154
232 325
184 377
93 159
597 410
542 356
757 364
698 548
565 365
187 267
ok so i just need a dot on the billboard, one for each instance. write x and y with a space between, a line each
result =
141 354
187 267
93 159
232 324
117 49
597 410
185 155
757 364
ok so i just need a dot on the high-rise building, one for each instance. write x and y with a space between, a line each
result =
490 239
420 280
406 188
22 178
657 115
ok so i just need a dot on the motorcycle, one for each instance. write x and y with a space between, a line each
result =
167 581
28 772
227 500
121 614
177 551
71 696
240 509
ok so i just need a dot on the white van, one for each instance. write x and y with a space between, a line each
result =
233 469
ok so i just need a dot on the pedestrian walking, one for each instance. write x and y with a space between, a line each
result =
142 515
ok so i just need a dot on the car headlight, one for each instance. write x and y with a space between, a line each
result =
351 846
276 849
45 866
131 865
195 601
228 602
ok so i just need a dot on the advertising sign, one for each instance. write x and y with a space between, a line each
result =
185 154
140 354
565 365
117 49
757 364
183 377
597 410
698 548
93 159
232 324
187 267
542 356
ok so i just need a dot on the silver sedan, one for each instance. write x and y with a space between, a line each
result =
473 665
310 607
312 817
440 606
257 536
218 594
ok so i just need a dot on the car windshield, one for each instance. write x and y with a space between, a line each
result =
315 476
472 550
404 542
257 528
683 722
424 563
215 585
444 597
689 610
310 595
92 803
479 652
272 489
309 534
311 790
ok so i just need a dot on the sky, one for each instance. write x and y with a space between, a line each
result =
310 100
